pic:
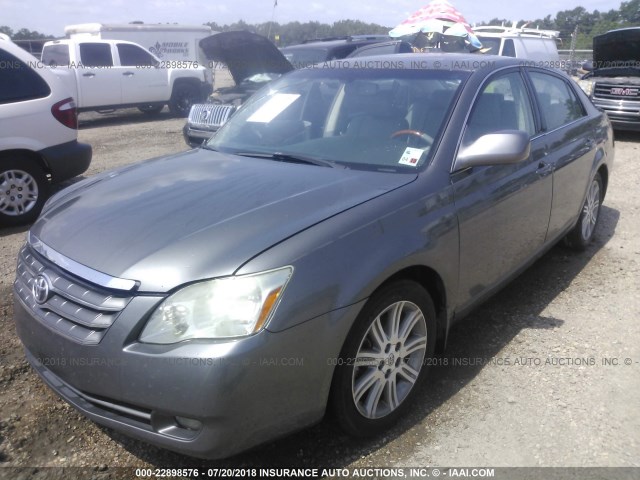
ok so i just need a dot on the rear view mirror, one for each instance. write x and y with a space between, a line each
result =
500 148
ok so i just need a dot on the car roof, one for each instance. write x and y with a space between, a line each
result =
336 42
461 62
67 41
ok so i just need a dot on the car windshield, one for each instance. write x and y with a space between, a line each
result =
371 119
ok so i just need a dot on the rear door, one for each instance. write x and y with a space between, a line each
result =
569 144
99 82
503 210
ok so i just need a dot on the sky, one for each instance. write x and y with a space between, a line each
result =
50 17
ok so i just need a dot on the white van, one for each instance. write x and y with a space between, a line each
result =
167 42
527 43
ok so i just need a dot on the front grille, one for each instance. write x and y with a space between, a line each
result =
209 115
617 92
76 309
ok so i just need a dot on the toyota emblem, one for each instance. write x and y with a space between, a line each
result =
40 289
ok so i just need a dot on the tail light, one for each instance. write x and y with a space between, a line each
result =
66 113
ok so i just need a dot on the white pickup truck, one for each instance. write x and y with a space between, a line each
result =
110 74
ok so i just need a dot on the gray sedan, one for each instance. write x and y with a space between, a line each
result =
313 255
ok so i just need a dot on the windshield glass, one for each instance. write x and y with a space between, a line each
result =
373 119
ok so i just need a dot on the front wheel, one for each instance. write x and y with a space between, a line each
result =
584 231
384 358
184 95
23 190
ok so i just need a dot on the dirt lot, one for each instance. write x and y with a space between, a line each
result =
545 374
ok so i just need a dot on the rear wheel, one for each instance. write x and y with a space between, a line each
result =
384 358
23 190
184 95
584 231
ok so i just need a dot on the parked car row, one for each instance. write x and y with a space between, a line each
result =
261 62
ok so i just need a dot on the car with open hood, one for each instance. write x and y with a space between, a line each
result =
253 61
613 84
313 255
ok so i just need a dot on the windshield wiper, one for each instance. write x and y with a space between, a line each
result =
290 158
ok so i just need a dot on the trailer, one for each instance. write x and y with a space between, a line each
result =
169 42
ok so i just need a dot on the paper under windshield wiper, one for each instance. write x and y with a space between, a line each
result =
287 157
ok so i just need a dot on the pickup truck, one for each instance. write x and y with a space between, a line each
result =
111 74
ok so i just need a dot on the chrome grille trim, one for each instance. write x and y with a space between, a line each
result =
78 269
210 115
73 308
609 91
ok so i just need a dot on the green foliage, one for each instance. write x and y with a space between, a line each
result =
24 34
295 32
589 24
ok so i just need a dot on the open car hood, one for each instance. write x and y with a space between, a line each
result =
245 54
617 46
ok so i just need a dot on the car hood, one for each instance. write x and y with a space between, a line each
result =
617 46
196 215
245 54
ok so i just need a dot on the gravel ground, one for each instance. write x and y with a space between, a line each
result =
538 376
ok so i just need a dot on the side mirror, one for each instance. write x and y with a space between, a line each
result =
587 66
501 148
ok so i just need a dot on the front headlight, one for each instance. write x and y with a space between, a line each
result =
222 308
586 86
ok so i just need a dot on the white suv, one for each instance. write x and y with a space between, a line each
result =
38 134
532 44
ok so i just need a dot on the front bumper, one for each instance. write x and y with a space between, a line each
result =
195 137
234 394
67 160
624 114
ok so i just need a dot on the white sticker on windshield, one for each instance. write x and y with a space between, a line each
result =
411 156
274 107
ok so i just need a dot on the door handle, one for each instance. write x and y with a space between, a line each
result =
544 169
128 74
90 75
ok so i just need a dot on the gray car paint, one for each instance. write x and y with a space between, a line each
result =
354 233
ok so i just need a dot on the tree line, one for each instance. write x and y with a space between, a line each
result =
586 24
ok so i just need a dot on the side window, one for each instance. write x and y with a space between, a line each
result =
96 55
18 82
558 102
508 49
132 56
503 104
54 55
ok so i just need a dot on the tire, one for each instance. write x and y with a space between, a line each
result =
23 190
151 109
184 95
376 377
584 231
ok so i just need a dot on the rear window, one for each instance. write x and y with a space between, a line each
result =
18 82
132 56
54 55
490 45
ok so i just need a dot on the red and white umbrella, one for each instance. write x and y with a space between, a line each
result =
438 16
